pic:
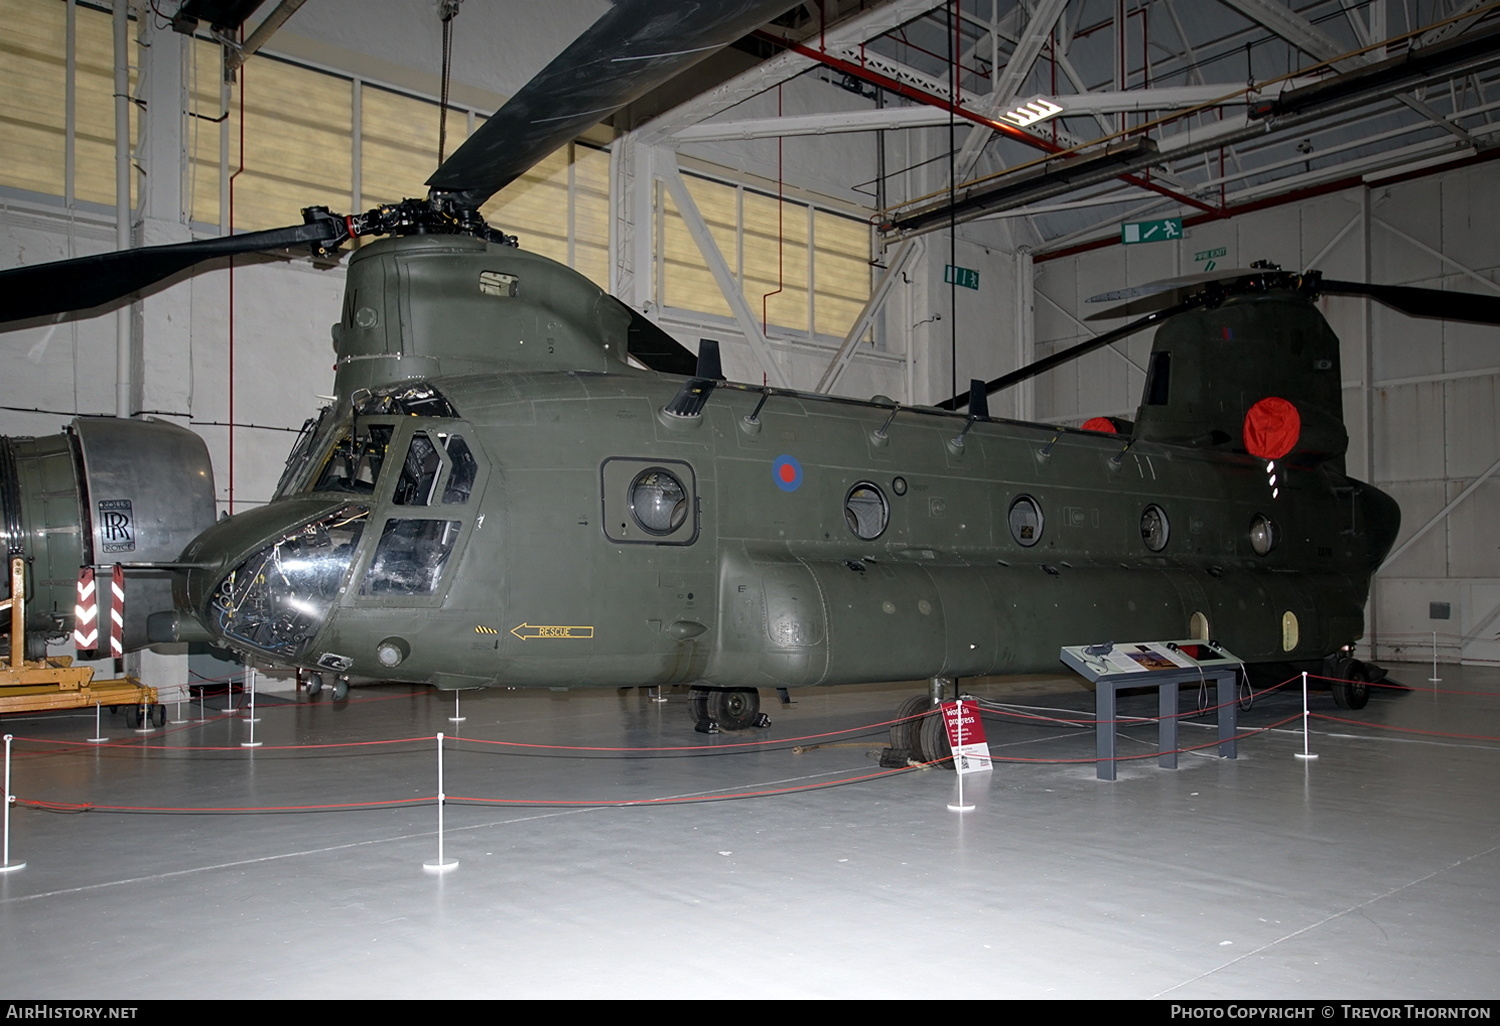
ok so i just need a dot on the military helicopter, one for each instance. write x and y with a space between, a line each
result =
499 495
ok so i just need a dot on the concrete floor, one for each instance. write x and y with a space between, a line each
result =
1372 872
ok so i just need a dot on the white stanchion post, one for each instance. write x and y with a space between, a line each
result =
8 865
1305 754
1434 679
457 716
958 747
98 728
441 864
250 687
250 717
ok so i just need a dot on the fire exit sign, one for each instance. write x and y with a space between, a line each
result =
964 276
1163 230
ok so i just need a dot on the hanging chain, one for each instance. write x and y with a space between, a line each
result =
448 11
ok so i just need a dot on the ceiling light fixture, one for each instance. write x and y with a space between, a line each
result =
1038 108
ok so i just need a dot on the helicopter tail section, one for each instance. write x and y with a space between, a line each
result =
1258 374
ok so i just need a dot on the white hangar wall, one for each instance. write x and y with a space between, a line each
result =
1420 407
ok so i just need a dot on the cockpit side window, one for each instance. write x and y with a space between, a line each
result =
419 472
465 470
410 557
301 453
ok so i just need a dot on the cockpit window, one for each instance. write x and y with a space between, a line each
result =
410 557
465 469
278 598
419 472
356 460
301 450
415 400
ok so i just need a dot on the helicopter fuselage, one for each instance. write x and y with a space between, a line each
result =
581 535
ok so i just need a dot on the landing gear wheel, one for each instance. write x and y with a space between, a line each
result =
904 733
314 684
341 689
158 716
133 716
736 708
932 742
698 704
1353 693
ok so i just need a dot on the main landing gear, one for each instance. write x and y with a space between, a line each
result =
919 736
716 709
1352 680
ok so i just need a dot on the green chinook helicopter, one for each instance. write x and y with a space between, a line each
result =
500 494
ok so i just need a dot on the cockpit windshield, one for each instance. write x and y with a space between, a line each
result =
356 460
278 598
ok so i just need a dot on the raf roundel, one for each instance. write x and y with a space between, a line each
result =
787 473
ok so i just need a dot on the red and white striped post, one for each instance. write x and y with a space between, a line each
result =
117 612
86 612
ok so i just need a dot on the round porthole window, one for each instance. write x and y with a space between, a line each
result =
658 502
1026 521
1262 534
1154 528
865 511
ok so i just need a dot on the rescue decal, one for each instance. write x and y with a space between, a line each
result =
531 631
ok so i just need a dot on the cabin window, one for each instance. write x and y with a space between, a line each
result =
1154 528
866 511
658 501
1026 521
1262 534
410 557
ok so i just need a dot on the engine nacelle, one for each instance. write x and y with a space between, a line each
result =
103 491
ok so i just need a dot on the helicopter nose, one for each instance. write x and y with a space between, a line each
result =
269 579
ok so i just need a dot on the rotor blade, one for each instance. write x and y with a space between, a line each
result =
634 47
656 349
84 282
1152 288
1420 302
1063 356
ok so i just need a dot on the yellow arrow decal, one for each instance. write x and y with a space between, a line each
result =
529 631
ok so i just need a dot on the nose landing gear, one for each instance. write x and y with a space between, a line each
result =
716 709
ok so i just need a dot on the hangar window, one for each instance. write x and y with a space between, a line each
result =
658 502
865 511
310 137
1154 528
809 267
1026 521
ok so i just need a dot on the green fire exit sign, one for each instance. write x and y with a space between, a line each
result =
964 276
